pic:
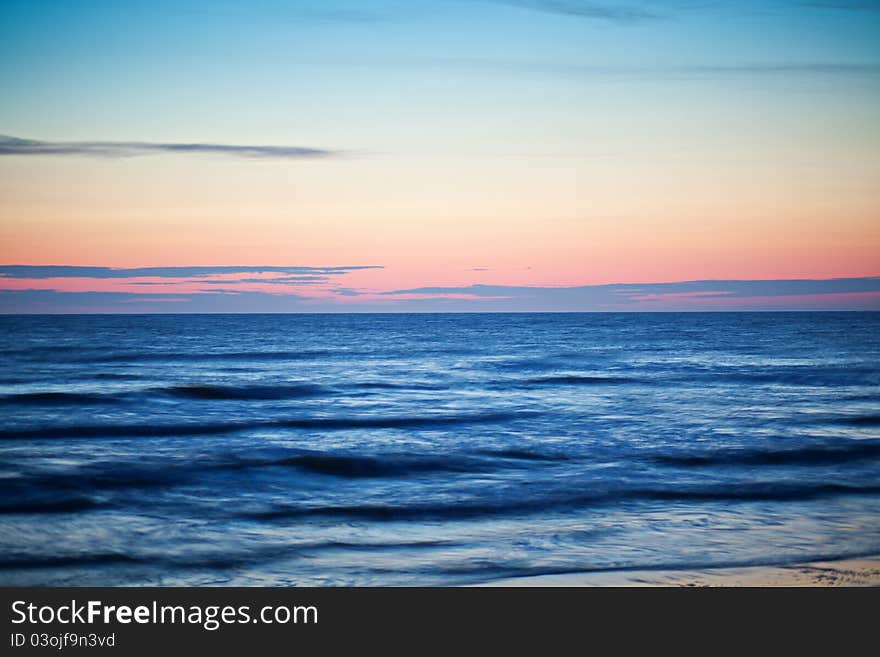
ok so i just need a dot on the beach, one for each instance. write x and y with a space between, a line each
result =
863 571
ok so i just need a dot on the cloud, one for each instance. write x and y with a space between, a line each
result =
274 280
73 271
795 294
727 288
286 280
612 12
16 146
184 282
770 68
53 301
634 12
695 72
707 295
847 5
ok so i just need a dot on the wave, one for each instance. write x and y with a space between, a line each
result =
481 507
117 376
110 476
872 397
383 385
216 560
139 356
775 492
581 380
203 392
393 422
68 561
255 392
687 565
125 475
803 376
387 466
72 504
525 364
859 420
58 398
524 455
852 450
197 429
125 430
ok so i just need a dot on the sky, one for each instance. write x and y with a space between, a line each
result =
433 155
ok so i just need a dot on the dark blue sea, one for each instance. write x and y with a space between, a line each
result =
432 449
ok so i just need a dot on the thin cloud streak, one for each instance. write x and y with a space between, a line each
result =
633 12
610 12
658 72
74 271
844 5
16 146
627 291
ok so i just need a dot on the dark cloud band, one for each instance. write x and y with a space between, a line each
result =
608 11
16 146
798 294
615 292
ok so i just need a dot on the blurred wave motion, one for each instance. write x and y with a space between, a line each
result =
429 449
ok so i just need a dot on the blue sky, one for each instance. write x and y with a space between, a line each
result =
163 70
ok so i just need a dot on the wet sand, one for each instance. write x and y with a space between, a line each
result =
849 572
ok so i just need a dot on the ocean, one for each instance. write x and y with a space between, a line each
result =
432 449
